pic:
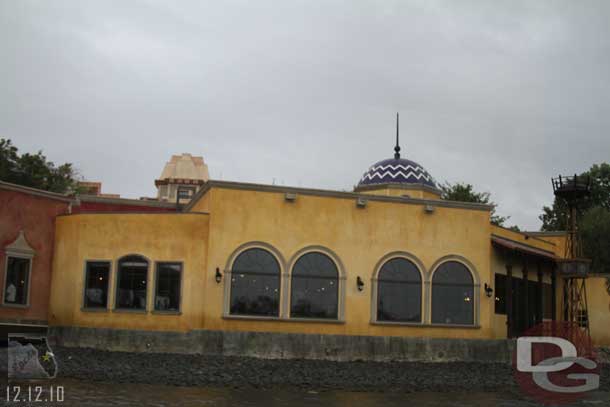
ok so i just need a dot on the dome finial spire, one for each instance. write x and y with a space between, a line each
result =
397 148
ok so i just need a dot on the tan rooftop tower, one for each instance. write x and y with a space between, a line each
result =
184 173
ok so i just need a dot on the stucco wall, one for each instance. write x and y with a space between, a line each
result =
358 237
35 215
598 299
158 237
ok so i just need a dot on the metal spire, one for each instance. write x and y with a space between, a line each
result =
397 148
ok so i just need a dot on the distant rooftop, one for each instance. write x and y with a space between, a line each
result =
185 167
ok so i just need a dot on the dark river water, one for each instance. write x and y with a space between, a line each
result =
81 393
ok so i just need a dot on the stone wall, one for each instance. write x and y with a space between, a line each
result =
286 346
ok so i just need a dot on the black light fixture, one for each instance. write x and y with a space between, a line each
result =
359 283
488 290
218 275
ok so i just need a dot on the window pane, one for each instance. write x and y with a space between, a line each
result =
17 281
132 282
500 294
399 292
255 284
96 284
452 295
167 297
314 287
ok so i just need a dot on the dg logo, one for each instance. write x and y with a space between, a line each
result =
554 363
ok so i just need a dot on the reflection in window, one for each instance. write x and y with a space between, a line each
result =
255 284
399 292
17 281
167 291
314 287
452 295
96 284
131 283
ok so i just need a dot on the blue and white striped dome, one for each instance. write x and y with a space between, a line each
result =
397 171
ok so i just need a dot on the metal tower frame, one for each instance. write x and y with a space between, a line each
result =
574 269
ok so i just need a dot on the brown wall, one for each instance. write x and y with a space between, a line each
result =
35 215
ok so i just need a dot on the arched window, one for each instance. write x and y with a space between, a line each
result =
132 281
314 287
399 291
452 294
255 284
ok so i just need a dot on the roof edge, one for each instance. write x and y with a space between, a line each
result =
526 235
530 249
36 192
398 185
125 201
558 233
332 194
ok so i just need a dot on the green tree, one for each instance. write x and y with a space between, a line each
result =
33 170
595 233
465 193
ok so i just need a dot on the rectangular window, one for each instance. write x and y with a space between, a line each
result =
500 294
132 277
17 280
167 290
97 275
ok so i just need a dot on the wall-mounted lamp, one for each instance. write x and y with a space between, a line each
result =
488 290
218 275
359 283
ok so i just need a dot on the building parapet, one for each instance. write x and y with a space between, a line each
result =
332 194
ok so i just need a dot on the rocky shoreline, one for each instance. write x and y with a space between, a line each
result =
318 375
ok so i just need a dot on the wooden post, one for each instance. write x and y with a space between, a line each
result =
554 293
540 313
526 296
509 299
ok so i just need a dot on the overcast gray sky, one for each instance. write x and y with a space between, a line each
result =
500 94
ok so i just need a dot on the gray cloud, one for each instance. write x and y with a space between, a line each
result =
501 94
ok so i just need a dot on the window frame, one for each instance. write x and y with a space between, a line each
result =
228 273
30 259
109 298
156 285
476 288
341 278
117 275
375 288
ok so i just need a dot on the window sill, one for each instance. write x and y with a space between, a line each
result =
83 309
129 311
316 320
282 319
159 312
22 306
461 326
397 323
421 325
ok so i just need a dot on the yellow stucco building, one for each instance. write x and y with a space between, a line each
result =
391 259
